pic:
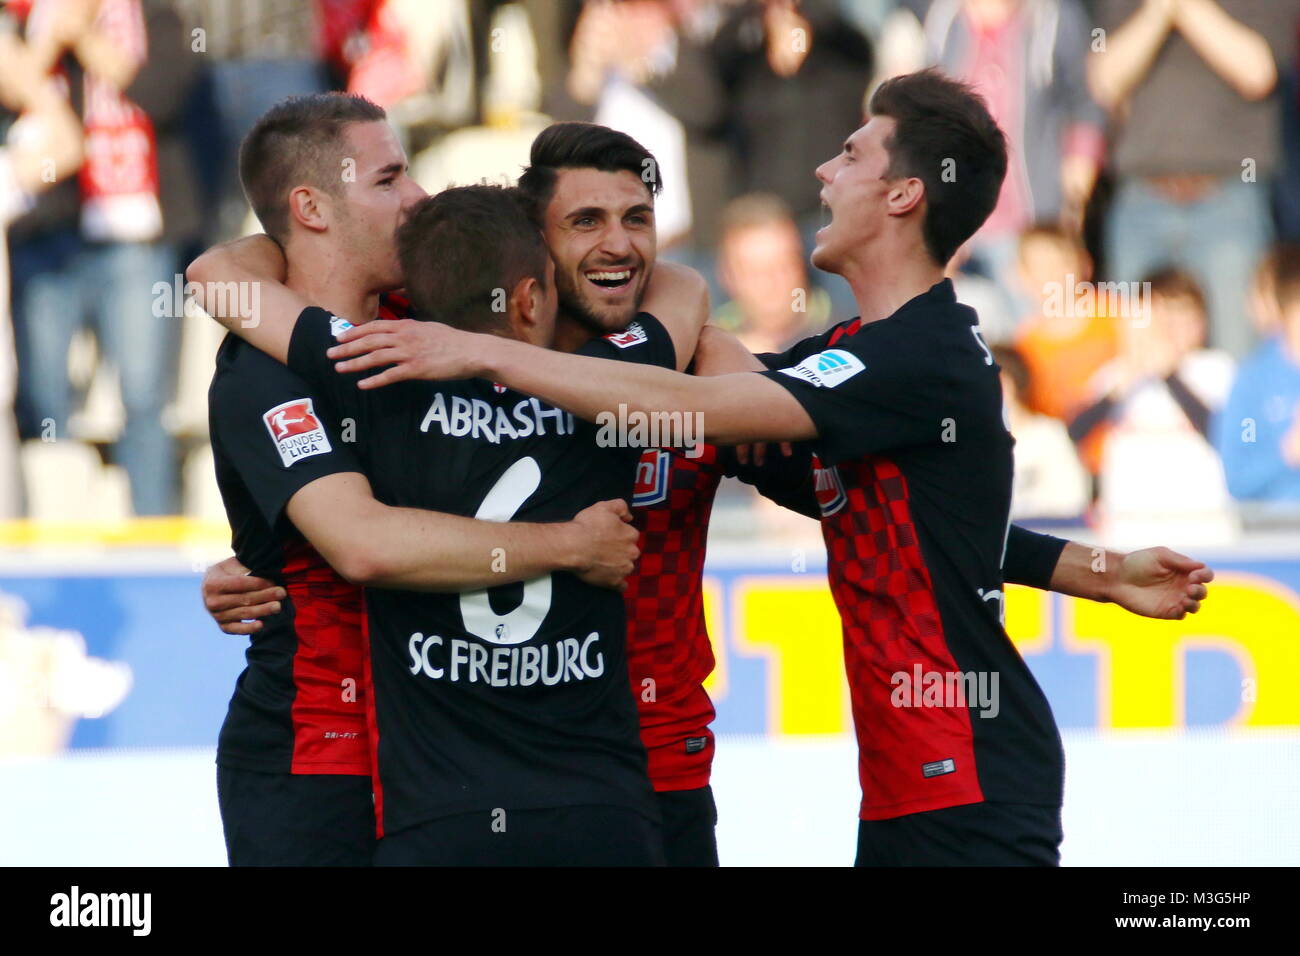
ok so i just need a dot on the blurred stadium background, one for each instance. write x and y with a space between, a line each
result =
1139 278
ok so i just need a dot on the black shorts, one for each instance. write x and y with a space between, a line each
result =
976 834
286 819
690 817
557 836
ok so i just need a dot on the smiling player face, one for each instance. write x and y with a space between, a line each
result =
601 233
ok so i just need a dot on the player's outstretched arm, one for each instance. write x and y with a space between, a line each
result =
241 284
734 408
1154 582
375 545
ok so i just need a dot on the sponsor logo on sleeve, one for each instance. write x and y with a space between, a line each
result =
826 369
338 325
828 488
652 473
296 431
634 334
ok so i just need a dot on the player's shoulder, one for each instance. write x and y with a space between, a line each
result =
243 374
644 339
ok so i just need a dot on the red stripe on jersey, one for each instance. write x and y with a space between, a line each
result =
668 650
328 714
849 328
372 723
886 600
393 305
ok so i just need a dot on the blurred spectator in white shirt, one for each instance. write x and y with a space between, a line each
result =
1159 471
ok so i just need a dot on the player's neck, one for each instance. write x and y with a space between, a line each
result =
884 280
570 334
335 290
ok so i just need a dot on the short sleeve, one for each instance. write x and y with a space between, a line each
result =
867 393
645 341
799 351
277 434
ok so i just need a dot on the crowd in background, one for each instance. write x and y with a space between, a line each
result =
1137 280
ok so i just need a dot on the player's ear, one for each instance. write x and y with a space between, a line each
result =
526 300
309 208
524 308
906 195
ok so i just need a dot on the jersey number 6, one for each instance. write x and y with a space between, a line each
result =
505 498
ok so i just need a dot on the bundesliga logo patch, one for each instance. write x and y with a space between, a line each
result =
632 335
296 431
826 369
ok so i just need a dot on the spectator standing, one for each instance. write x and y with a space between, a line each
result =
257 52
1028 58
41 146
137 208
1192 85
795 76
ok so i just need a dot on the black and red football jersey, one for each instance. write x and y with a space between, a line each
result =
299 706
512 697
914 482
668 650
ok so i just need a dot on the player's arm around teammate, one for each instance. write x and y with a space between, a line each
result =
373 544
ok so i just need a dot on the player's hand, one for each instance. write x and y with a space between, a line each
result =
608 544
757 452
1161 583
235 598
432 351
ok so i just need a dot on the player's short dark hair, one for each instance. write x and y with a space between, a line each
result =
1170 282
582 146
299 141
1286 272
463 251
946 138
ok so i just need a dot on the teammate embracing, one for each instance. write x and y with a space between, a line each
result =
904 407
294 760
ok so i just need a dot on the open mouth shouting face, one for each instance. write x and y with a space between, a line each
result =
854 194
600 229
